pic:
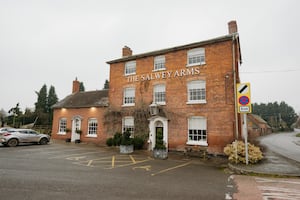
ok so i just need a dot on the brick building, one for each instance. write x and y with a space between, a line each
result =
80 115
190 90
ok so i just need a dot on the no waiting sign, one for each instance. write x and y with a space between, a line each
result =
243 97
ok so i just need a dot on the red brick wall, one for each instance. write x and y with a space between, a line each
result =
219 108
86 114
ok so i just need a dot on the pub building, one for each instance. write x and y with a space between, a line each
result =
186 92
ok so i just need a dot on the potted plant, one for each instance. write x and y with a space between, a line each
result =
126 145
78 131
160 150
68 131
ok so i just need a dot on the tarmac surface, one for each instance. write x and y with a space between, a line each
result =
273 163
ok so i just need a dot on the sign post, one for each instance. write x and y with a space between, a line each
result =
244 107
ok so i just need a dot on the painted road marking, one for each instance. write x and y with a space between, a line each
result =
171 168
146 167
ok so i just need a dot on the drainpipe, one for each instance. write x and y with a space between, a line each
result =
234 86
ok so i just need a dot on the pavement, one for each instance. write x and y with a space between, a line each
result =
273 164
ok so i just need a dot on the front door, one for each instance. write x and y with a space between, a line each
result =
159 136
76 126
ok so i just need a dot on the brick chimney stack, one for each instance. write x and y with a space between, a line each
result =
76 86
232 27
126 51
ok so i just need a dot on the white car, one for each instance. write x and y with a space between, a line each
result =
13 137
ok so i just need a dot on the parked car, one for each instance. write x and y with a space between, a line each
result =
14 137
4 129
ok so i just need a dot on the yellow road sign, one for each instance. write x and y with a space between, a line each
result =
243 97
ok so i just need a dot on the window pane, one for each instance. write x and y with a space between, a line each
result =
62 125
129 96
196 91
197 129
159 93
130 67
159 62
92 127
196 56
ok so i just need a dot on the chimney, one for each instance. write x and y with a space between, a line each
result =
76 85
126 51
232 27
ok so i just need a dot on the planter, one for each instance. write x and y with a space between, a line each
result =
126 149
160 153
68 140
77 141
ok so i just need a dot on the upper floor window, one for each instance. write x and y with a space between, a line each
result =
130 67
197 130
196 57
159 63
197 91
62 125
128 125
159 94
92 127
129 96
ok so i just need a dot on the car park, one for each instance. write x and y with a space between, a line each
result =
14 137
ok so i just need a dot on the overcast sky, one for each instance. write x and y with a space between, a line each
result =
53 41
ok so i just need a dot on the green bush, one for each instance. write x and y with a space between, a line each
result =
117 139
138 143
125 138
298 135
109 142
236 152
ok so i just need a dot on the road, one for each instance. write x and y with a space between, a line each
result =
286 144
69 171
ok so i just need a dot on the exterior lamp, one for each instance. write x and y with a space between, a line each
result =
153 109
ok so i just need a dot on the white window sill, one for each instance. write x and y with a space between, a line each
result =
61 133
196 102
200 143
157 70
195 64
130 74
128 105
161 103
91 136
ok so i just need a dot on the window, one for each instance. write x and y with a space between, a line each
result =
159 63
159 94
128 125
197 92
92 127
62 126
129 96
196 57
197 131
130 68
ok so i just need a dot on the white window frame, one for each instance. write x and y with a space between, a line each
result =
128 123
196 57
197 131
129 96
196 88
92 127
159 94
62 126
159 63
130 68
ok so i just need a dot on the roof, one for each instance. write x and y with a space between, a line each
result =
177 48
98 98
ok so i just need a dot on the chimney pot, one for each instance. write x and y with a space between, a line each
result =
232 27
126 51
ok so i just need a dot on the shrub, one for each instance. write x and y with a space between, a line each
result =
109 142
117 139
125 138
298 135
254 152
138 143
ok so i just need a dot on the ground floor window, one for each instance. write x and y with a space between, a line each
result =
128 125
62 126
197 133
92 127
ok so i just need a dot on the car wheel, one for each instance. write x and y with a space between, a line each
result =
44 141
12 142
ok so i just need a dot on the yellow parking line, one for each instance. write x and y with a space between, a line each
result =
89 163
171 168
113 162
132 159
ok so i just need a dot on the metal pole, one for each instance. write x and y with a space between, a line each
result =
245 133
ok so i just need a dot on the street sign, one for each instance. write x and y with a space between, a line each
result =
243 97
